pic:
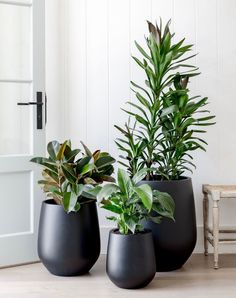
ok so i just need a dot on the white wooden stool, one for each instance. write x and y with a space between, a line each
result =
216 192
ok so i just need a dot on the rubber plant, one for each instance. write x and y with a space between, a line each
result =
70 176
169 121
133 203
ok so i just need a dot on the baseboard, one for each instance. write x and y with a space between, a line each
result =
229 248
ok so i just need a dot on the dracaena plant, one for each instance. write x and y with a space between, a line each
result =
167 117
70 176
132 203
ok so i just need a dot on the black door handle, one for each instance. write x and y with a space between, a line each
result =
29 103
39 104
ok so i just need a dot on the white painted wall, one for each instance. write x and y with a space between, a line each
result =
89 43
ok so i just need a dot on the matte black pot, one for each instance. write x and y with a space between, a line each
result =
174 242
68 244
130 259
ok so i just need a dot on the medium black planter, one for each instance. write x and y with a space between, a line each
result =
68 244
130 259
174 242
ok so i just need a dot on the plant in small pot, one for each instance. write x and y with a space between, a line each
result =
69 239
130 254
168 126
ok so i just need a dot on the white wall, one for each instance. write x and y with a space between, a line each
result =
89 43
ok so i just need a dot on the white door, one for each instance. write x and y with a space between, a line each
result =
22 127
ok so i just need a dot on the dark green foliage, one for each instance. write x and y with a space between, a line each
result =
133 203
69 175
166 117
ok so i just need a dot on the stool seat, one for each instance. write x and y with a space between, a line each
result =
226 191
216 192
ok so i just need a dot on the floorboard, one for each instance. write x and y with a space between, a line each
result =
196 279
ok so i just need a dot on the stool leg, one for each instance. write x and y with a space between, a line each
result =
216 232
205 222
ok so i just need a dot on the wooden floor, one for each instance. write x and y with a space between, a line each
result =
195 279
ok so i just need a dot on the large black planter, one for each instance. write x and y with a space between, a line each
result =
174 242
130 259
68 244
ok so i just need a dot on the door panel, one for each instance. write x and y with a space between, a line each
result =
22 75
15 36
18 210
16 132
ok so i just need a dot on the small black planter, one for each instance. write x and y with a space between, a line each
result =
130 259
68 244
174 242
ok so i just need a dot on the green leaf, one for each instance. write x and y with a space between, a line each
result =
143 100
48 183
53 148
156 219
141 88
107 178
166 202
71 155
139 176
96 155
91 192
47 163
69 173
108 206
107 190
141 50
138 62
169 110
124 182
86 149
87 168
144 191
69 201
81 163
130 222
60 154
77 207
142 120
89 180
104 161
139 108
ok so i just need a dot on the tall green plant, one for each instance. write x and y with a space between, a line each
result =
69 176
167 117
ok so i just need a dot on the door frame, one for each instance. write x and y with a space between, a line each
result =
21 248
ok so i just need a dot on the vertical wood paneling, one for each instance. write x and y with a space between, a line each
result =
163 10
97 74
54 70
119 66
184 19
76 73
227 86
206 85
97 62
101 34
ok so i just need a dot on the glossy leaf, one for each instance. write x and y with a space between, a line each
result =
144 191
69 201
53 148
68 177
124 181
104 161
106 191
